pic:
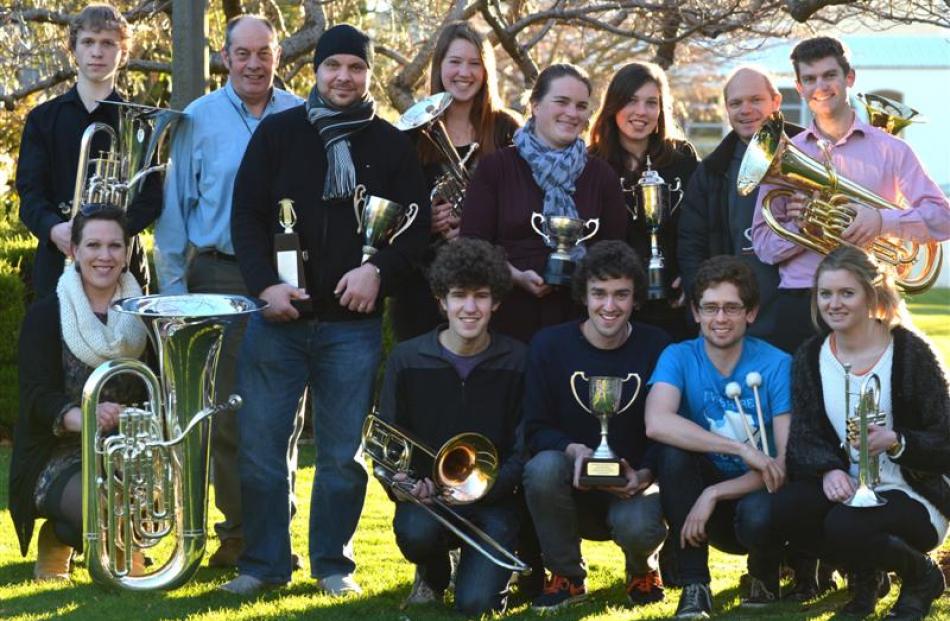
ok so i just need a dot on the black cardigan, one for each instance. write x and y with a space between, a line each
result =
920 401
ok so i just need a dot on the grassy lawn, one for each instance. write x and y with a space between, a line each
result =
382 572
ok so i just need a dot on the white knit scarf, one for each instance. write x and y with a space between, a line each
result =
91 341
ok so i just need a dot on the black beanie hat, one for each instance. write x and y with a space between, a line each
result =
343 39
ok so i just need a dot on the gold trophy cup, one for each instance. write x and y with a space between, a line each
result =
603 468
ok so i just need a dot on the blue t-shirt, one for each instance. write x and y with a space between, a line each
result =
703 397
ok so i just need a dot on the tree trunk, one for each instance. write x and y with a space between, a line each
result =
189 51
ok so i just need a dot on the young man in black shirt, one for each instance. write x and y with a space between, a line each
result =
560 434
460 378
49 150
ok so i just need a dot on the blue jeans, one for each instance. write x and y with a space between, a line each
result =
339 360
480 585
740 526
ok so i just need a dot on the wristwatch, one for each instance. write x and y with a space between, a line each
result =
897 449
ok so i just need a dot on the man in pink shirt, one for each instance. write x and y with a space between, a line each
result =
864 154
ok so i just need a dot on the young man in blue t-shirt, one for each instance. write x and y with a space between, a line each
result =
560 434
713 461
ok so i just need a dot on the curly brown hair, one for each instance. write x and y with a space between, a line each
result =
470 264
605 260
726 268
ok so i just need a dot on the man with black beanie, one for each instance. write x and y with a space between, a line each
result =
316 155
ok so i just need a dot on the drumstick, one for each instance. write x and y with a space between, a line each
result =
733 390
753 380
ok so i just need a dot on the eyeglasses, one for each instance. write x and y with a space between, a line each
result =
711 310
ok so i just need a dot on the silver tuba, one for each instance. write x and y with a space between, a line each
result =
149 479
426 115
463 469
116 174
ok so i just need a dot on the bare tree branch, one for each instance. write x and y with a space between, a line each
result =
509 42
801 10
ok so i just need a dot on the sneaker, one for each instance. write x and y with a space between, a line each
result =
757 594
52 555
918 594
421 593
645 589
339 585
695 602
246 586
228 553
559 592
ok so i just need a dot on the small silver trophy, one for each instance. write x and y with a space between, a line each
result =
603 468
567 233
379 220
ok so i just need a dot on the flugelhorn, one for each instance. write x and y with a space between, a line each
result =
149 480
772 158
117 173
463 469
426 115
866 412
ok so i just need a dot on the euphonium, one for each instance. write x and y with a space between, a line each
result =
426 114
463 469
891 116
867 412
772 158
149 479
116 173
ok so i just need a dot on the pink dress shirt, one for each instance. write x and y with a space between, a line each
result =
876 160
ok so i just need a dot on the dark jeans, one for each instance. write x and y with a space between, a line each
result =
480 585
852 538
740 526
563 516
793 320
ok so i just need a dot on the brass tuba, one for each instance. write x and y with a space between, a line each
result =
463 469
866 412
426 115
117 173
149 479
772 158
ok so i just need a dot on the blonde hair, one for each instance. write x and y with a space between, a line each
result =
884 301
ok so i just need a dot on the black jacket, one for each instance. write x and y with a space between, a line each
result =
424 395
704 221
286 159
920 403
46 179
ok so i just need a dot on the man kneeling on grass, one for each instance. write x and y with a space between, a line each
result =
703 409
460 378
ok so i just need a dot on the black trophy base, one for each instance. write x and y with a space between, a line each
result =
558 272
602 473
304 307
656 289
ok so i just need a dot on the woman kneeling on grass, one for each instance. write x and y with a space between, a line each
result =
64 337
862 308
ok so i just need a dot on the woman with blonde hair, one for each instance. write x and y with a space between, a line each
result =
864 335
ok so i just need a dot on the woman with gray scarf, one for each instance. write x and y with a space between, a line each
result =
548 171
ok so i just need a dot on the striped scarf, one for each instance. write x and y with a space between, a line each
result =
335 126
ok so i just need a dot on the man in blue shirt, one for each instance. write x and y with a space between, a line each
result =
711 469
193 235
560 434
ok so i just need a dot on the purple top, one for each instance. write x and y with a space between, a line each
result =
878 161
498 206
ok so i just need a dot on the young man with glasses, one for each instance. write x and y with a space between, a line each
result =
714 469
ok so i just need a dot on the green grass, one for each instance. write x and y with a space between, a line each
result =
385 576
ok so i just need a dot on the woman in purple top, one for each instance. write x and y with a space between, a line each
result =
548 171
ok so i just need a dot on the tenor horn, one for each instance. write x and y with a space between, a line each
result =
149 479
772 158
426 115
463 469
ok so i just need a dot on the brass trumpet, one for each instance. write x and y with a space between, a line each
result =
426 115
463 469
867 412
772 158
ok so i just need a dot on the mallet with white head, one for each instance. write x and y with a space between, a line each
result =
753 380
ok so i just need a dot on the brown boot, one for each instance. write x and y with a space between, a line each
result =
52 555
228 553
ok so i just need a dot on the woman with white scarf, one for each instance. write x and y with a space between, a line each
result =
64 337
548 171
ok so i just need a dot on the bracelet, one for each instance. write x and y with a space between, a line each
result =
897 449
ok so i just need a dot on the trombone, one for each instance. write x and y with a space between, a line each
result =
867 411
463 469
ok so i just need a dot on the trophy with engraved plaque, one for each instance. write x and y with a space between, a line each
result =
603 468
288 256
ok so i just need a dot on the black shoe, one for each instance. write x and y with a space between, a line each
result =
864 587
695 602
826 579
918 592
803 590
756 594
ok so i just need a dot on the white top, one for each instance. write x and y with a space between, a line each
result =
832 382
